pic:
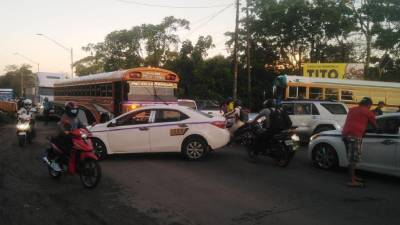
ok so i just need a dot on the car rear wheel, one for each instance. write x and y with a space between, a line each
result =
194 148
325 157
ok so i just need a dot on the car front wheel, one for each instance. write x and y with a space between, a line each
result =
325 157
194 148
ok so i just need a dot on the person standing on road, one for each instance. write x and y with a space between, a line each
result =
378 110
46 110
353 131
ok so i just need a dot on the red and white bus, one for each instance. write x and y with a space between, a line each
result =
110 94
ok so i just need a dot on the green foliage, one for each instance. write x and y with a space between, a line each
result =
12 78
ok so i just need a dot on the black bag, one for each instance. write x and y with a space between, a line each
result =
244 115
279 120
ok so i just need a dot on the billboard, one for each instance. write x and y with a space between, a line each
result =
350 71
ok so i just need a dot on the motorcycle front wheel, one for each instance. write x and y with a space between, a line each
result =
90 173
54 174
284 155
21 140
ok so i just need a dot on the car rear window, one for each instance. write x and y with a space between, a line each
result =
336 109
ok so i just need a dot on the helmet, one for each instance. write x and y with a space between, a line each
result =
238 103
71 109
27 103
229 99
269 103
366 101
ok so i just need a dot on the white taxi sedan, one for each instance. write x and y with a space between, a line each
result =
161 129
380 150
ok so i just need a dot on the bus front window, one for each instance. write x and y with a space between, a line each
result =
149 91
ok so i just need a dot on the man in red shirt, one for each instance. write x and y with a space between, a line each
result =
353 131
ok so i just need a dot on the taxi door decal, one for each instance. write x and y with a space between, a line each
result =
178 131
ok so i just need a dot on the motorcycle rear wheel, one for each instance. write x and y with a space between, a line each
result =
90 173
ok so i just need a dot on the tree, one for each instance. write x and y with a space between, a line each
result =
15 75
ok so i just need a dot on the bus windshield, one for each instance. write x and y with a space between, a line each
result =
151 91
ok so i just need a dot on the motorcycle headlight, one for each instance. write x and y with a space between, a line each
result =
23 126
295 137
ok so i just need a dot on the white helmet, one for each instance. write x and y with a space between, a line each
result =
27 103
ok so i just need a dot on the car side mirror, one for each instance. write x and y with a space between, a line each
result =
113 123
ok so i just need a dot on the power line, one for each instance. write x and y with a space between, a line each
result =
206 22
171 6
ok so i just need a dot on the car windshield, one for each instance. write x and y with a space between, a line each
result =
187 104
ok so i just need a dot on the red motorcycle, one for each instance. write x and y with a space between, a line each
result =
81 159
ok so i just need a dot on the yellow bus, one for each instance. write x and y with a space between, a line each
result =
347 91
110 94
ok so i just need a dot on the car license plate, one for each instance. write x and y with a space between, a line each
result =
289 142
22 133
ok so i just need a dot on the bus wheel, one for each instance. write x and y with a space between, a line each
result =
99 148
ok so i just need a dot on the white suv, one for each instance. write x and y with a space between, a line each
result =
311 117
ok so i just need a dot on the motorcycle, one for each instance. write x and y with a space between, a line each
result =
25 130
280 146
81 160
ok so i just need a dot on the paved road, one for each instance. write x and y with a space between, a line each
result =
164 189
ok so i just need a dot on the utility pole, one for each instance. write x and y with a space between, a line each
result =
248 52
22 76
235 52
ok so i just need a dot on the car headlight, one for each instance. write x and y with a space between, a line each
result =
295 137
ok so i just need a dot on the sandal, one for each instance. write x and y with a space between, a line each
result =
356 184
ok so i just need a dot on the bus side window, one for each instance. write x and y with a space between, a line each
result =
316 93
98 91
331 94
109 90
347 95
103 90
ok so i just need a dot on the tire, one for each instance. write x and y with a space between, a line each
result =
99 149
54 174
322 128
21 140
283 156
253 155
90 173
247 138
324 156
194 148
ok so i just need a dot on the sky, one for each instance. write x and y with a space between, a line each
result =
75 23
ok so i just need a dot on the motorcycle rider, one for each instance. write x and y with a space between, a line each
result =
27 110
68 122
235 115
274 119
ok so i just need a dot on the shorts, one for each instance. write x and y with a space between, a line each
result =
353 148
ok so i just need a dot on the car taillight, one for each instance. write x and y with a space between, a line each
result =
220 124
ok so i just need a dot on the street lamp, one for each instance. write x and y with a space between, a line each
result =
22 77
65 48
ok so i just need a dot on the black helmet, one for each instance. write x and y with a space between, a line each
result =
238 103
71 109
229 99
366 101
269 103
